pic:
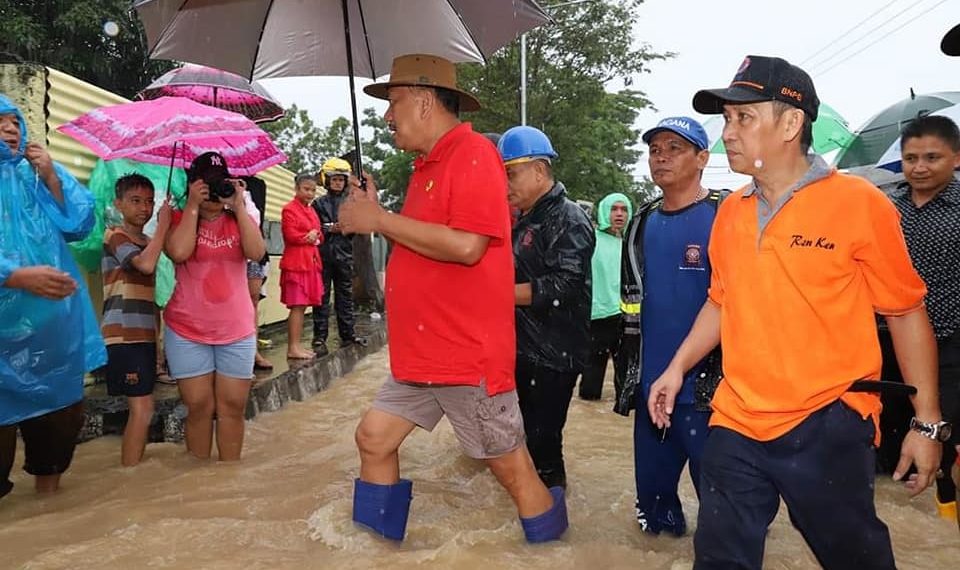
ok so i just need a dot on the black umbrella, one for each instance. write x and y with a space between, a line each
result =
287 38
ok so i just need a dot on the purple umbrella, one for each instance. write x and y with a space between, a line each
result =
216 88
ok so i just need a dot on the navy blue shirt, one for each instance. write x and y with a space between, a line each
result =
676 277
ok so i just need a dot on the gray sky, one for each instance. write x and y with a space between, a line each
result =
856 71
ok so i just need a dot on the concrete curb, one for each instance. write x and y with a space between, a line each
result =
107 415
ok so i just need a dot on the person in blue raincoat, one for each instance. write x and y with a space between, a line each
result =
48 330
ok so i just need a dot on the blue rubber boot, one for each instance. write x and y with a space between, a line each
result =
383 508
550 525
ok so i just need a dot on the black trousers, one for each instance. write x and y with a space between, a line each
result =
897 410
824 470
49 442
544 400
337 277
604 340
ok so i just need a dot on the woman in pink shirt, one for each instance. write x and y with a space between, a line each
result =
209 333
301 282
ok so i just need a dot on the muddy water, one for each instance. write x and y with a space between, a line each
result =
287 505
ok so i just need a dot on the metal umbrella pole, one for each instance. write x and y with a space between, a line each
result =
353 90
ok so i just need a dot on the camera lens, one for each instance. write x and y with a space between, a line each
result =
222 189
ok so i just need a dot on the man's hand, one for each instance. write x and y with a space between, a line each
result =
363 188
38 156
922 452
361 212
43 281
663 394
360 216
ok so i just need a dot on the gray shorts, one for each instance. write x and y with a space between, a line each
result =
486 426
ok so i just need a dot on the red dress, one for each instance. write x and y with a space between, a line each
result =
301 280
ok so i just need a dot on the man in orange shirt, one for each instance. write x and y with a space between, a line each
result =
801 258
449 300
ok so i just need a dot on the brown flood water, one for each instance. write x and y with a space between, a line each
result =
287 504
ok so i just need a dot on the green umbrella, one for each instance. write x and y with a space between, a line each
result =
877 134
830 131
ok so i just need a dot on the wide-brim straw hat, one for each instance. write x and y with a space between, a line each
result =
421 70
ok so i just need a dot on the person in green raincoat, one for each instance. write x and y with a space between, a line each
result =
613 214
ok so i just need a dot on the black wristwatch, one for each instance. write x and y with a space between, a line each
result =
937 431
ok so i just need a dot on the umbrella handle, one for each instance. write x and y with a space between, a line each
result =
353 91
173 156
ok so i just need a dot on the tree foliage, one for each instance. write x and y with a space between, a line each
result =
70 36
300 139
390 167
570 66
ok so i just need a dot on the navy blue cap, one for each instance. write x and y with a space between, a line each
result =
686 127
210 166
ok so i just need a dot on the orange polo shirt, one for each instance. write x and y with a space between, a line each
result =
798 299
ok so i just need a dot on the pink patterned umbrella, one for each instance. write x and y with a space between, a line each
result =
217 88
174 130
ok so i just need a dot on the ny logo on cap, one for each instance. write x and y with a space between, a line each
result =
215 160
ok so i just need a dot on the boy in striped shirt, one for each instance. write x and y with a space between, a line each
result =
129 312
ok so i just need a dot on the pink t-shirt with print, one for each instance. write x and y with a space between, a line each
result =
211 303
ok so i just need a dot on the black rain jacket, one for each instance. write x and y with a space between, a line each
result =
336 247
552 249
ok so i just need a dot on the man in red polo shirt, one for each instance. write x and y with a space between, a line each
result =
449 305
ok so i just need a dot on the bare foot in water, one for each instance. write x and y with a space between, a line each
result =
298 353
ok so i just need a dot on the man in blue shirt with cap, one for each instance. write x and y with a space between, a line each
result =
666 273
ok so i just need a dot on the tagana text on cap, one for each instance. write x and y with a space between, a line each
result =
422 70
686 127
761 78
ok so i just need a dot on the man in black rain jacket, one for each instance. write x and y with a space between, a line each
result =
336 253
553 243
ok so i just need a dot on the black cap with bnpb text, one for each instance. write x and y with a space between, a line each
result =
762 78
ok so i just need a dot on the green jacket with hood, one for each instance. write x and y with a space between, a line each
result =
606 260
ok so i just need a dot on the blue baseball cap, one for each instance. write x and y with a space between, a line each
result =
686 127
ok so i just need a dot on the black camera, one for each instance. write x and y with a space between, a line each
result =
221 190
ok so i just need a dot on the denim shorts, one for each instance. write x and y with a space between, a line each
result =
188 359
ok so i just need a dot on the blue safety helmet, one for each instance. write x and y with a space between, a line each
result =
523 144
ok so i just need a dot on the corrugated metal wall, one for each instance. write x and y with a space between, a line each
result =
67 99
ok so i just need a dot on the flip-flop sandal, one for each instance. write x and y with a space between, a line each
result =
259 366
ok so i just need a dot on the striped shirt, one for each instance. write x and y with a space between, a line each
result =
129 312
